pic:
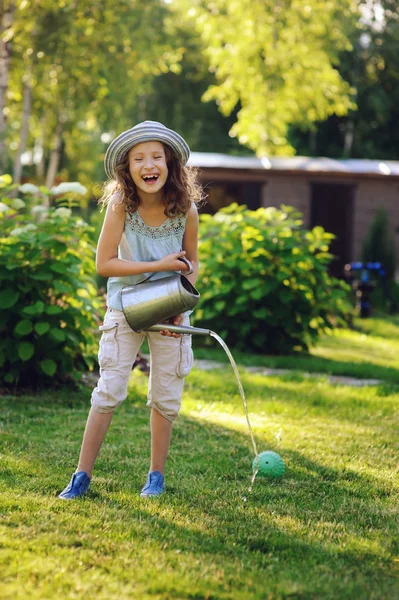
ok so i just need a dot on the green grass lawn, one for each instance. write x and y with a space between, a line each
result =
370 350
329 529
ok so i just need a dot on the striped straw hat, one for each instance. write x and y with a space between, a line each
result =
147 131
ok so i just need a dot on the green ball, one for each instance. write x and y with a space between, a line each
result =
269 464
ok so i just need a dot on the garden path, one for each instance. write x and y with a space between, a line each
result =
90 379
208 365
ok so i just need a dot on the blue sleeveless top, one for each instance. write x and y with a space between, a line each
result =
145 243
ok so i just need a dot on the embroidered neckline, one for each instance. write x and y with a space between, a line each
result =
151 226
169 228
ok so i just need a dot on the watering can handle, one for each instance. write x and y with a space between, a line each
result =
186 262
190 266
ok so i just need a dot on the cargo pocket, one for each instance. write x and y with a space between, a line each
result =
186 357
108 350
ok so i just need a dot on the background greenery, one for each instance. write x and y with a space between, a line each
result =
315 78
263 267
49 303
256 267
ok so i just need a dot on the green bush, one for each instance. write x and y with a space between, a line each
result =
48 297
263 280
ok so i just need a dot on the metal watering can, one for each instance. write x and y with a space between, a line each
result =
149 304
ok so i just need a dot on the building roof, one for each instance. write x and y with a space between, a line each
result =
296 163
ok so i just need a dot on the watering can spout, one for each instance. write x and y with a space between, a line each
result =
182 329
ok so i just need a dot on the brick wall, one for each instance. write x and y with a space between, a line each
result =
369 195
291 190
294 189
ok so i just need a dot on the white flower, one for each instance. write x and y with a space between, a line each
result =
69 186
39 209
63 212
29 188
19 230
4 207
17 203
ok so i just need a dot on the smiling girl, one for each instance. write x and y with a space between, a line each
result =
150 223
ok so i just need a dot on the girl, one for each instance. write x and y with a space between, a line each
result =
150 223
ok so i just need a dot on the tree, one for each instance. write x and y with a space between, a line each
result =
7 10
372 131
88 63
175 99
277 60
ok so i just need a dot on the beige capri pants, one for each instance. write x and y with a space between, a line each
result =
171 361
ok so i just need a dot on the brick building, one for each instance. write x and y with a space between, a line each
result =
340 195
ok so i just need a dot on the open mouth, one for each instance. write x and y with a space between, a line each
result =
150 178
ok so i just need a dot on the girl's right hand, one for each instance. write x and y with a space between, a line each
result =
171 262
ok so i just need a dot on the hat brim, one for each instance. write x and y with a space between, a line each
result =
151 132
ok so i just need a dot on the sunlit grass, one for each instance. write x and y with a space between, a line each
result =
359 348
328 529
370 350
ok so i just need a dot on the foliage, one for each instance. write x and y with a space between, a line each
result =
88 65
263 280
276 70
176 95
379 244
372 68
48 293
277 60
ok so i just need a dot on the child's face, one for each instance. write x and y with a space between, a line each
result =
147 166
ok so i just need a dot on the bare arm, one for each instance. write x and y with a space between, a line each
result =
190 245
190 241
107 262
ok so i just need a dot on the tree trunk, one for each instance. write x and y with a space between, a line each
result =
6 20
38 151
313 142
55 156
26 112
349 136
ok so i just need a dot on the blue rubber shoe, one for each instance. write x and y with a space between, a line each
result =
154 486
77 487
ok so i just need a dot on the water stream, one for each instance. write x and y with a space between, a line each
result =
235 369
195 330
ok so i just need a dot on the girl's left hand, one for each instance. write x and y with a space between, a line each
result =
176 320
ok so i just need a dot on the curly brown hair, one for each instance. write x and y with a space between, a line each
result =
181 187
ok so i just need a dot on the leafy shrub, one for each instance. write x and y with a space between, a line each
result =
48 295
263 280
